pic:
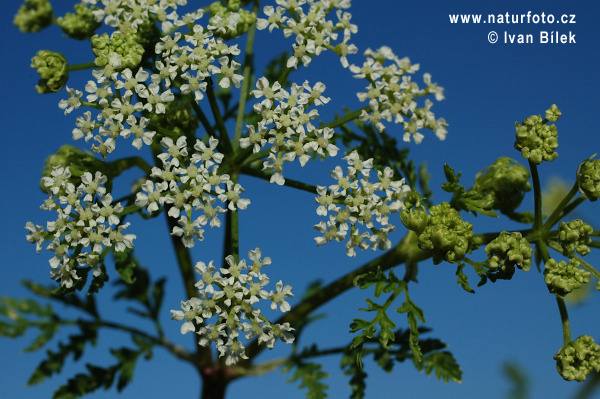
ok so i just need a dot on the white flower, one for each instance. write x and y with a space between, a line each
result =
73 102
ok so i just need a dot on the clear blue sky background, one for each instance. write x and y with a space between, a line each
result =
488 88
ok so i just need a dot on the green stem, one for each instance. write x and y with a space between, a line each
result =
557 213
405 251
288 182
81 67
564 317
224 141
204 120
346 118
248 69
232 232
537 195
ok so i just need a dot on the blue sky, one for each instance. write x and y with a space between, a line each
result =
488 88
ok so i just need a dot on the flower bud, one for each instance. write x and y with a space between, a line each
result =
577 359
588 178
79 25
553 113
53 70
562 278
34 16
124 45
509 250
574 237
447 235
505 183
415 219
536 140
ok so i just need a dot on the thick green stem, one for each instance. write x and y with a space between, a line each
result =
346 118
288 182
224 141
232 232
537 196
564 317
81 67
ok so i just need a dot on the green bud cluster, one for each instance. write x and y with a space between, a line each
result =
588 178
446 234
180 118
77 161
53 70
574 237
124 44
79 25
562 278
34 16
505 183
578 358
537 140
507 251
414 216
247 18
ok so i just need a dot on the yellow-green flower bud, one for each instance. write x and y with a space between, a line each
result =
553 113
577 359
244 18
588 178
562 278
574 236
447 235
536 140
125 45
505 183
415 219
509 250
34 16
79 25
53 70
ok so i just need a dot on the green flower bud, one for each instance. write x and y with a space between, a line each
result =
536 140
78 162
577 359
415 219
574 236
245 21
507 251
447 235
125 45
81 24
34 16
53 70
505 183
553 113
562 278
588 178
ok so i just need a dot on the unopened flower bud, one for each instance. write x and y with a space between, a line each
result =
34 16
121 50
509 250
536 140
53 70
505 183
574 237
562 278
577 359
553 113
588 178
415 219
81 24
241 18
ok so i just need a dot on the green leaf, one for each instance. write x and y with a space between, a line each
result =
463 280
125 265
414 315
310 376
444 365
471 200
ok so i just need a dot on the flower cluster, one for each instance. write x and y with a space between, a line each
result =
34 15
187 184
53 70
578 358
229 296
447 235
574 237
313 32
81 24
505 183
507 251
392 95
355 201
588 178
562 278
220 13
536 139
126 97
87 222
286 125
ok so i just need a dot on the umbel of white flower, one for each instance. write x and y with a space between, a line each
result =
87 221
226 309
